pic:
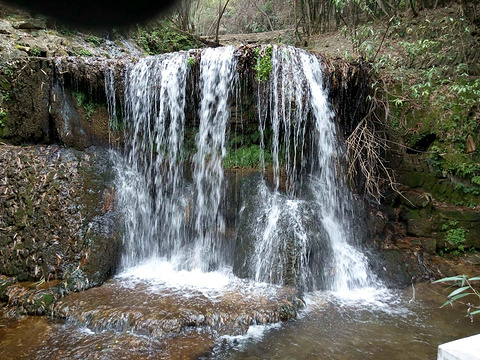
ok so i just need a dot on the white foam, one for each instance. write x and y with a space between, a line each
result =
368 298
254 334
86 331
157 271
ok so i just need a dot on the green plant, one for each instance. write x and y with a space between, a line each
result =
475 180
35 52
160 38
66 31
191 61
465 288
415 49
455 237
248 157
95 41
263 66
83 101
85 52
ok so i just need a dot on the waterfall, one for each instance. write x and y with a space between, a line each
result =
349 264
150 179
217 73
294 95
299 230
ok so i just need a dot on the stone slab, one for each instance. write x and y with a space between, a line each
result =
462 349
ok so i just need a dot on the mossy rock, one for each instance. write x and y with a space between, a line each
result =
459 215
413 179
419 227
5 282
429 245
416 200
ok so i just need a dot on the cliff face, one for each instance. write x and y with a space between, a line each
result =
63 99
58 216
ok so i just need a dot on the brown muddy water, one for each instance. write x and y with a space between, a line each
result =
370 325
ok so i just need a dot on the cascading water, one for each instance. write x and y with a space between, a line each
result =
349 264
299 231
150 179
217 73
310 228
166 217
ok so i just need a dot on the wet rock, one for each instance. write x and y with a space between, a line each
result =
56 221
24 301
419 227
29 118
32 24
429 245
458 214
398 268
158 313
67 119
284 258
5 282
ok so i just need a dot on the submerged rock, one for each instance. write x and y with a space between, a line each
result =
158 312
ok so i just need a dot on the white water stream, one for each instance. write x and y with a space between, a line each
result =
302 235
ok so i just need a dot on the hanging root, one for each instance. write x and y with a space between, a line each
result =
366 148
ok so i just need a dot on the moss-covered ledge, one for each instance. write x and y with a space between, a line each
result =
63 98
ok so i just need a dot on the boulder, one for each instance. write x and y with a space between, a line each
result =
32 24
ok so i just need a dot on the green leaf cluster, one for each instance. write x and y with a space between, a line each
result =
263 65
191 61
95 41
85 103
455 237
466 288
35 52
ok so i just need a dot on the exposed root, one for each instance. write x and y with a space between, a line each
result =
366 149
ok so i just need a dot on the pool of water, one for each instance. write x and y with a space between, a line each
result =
393 325
370 324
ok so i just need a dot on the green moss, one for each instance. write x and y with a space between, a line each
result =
95 41
85 52
249 157
414 179
160 38
85 103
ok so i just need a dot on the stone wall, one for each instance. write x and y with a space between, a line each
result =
57 215
417 231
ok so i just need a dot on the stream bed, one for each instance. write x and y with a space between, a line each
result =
368 324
